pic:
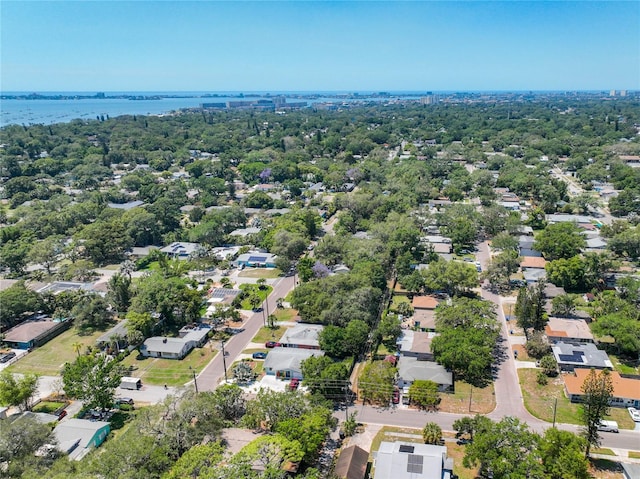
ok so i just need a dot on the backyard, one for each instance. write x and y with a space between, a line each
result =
539 401
48 359
172 372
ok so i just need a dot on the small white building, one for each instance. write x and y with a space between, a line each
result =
286 363
176 348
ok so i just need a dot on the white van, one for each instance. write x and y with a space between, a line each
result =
608 426
130 383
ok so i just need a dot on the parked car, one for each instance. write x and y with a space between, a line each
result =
406 399
635 413
395 398
270 344
259 355
62 414
5 358
124 401
608 426
293 385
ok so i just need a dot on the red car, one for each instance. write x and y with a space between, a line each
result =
293 385
395 399
270 344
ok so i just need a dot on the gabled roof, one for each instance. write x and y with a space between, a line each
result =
352 463
302 334
624 388
568 328
410 369
583 355
289 359
74 435
533 262
424 302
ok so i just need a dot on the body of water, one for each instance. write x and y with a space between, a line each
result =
40 111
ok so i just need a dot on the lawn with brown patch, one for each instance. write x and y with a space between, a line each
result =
605 469
540 401
468 399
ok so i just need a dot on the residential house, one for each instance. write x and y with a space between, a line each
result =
626 390
117 333
182 250
534 275
403 460
245 231
411 369
286 363
176 348
573 331
34 333
424 312
416 344
126 206
532 262
256 259
77 437
352 463
596 244
303 336
570 356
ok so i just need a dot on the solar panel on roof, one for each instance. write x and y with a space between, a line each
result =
414 463
405 448
574 358
257 259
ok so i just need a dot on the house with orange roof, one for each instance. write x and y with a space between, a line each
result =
532 262
424 312
574 331
424 302
626 391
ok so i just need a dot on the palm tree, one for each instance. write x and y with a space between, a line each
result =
77 347
432 433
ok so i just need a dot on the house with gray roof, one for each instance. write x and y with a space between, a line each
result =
416 344
256 259
77 437
411 369
586 355
176 348
404 460
303 336
181 250
286 363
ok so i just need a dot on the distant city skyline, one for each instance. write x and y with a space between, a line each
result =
319 46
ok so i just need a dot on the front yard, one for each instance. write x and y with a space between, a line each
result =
539 401
172 372
267 273
265 334
468 399
48 359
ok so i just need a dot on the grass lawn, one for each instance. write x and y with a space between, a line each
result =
262 293
454 451
522 353
603 450
483 400
267 334
285 314
634 454
267 273
624 366
539 401
397 300
48 407
171 372
50 357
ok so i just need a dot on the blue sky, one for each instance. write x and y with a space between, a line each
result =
306 46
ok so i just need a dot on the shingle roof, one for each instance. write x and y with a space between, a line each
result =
410 369
352 463
625 388
424 302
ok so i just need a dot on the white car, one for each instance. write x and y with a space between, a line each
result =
635 413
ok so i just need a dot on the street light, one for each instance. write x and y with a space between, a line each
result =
224 361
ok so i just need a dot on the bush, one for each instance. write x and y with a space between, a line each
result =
549 365
542 378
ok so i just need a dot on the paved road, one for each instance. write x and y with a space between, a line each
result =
412 418
211 375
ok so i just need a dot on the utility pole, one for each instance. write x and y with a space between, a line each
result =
470 396
224 361
555 408
195 380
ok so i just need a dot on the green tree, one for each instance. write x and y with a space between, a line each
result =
91 313
471 425
119 292
432 433
200 461
310 431
505 450
530 308
19 441
46 252
560 241
243 373
376 382
549 365
597 391
424 394
229 402
568 273
564 305
16 300
453 277
562 455
92 379
17 391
